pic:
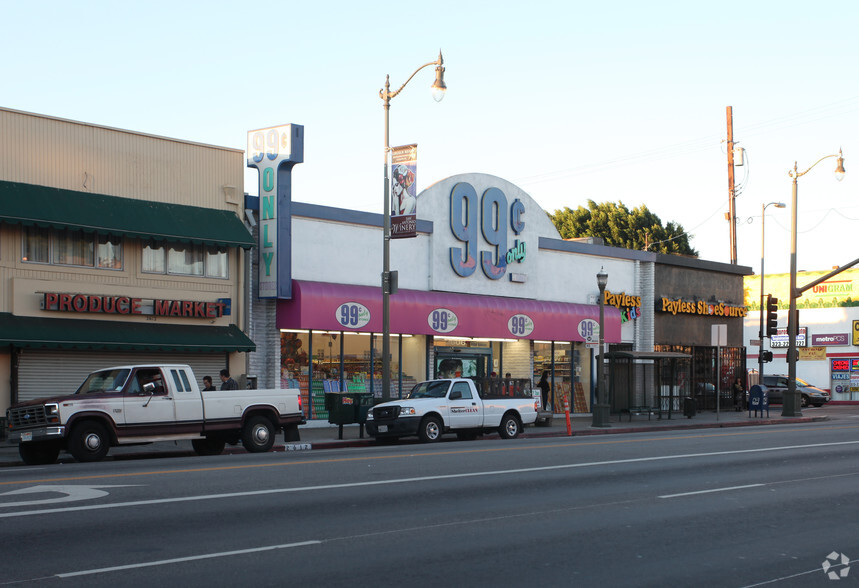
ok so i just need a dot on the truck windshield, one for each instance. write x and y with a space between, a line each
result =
435 389
104 381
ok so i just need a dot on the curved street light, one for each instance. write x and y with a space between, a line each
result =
790 403
438 90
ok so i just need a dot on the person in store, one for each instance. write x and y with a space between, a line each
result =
543 384
227 382
207 384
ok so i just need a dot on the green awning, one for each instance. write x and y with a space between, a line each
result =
44 333
41 206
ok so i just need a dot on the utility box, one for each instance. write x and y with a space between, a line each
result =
759 400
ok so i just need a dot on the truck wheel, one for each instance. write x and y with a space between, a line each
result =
510 426
208 446
40 453
258 435
430 429
89 441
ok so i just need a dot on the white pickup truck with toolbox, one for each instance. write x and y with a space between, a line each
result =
135 404
436 407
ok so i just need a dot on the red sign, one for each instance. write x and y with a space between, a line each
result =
90 303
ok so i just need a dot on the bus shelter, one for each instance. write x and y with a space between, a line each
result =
651 382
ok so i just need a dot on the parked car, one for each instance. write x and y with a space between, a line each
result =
811 395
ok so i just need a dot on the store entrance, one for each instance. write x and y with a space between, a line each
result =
464 363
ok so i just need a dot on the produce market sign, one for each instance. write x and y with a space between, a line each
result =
90 303
701 308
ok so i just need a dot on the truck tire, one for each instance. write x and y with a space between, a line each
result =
430 429
258 435
89 441
208 446
39 453
510 426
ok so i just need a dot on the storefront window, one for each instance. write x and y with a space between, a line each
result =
153 259
73 248
36 247
216 262
109 252
185 259
571 383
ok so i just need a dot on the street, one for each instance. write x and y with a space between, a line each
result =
726 507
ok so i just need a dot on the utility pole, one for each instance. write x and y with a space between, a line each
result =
732 201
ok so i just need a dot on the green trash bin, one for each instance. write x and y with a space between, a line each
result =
341 409
364 402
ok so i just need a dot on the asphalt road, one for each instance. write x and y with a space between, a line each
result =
731 507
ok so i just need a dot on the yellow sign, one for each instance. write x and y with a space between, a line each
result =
855 332
701 307
811 353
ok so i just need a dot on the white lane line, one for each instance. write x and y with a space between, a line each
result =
50 511
711 490
165 562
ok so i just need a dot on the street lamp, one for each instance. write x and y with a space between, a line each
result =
438 90
790 403
763 311
601 408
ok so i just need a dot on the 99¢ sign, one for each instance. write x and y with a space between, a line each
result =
442 320
589 330
520 325
353 315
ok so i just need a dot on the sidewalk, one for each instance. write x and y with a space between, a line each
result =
323 435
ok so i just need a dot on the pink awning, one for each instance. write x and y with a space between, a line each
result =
336 307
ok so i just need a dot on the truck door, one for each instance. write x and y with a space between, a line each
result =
144 409
189 406
465 410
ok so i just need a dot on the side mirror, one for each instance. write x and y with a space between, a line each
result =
149 388
455 395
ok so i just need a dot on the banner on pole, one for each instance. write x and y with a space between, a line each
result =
404 191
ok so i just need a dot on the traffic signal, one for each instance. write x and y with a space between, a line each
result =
766 356
772 316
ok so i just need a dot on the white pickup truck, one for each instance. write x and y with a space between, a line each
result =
135 404
436 407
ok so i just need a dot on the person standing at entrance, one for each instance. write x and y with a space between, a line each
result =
544 389
739 394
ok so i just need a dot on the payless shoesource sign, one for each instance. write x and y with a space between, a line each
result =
701 308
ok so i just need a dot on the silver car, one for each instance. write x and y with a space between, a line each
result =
811 395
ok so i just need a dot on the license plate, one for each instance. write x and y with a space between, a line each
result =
383 428
27 436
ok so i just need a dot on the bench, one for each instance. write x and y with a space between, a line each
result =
640 410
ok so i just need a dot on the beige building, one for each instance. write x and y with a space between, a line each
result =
116 247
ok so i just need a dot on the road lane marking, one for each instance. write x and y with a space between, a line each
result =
72 493
573 442
393 481
176 560
712 490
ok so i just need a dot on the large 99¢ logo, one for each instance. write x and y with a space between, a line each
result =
353 315
442 320
520 325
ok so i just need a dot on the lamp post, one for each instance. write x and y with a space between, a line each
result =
601 408
438 90
763 311
790 403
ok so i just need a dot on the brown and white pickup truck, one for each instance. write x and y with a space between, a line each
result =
135 404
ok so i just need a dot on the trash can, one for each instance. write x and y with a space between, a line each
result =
759 400
689 407
341 409
363 402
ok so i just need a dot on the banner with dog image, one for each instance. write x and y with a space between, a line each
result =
404 191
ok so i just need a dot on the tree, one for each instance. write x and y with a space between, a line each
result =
619 227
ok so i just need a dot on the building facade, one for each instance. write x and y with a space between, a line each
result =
116 247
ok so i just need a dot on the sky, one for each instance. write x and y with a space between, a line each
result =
613 101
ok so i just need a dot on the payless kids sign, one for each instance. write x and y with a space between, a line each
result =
274 152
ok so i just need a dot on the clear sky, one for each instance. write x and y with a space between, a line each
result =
609 101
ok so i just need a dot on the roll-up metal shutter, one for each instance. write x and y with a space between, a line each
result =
50 372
